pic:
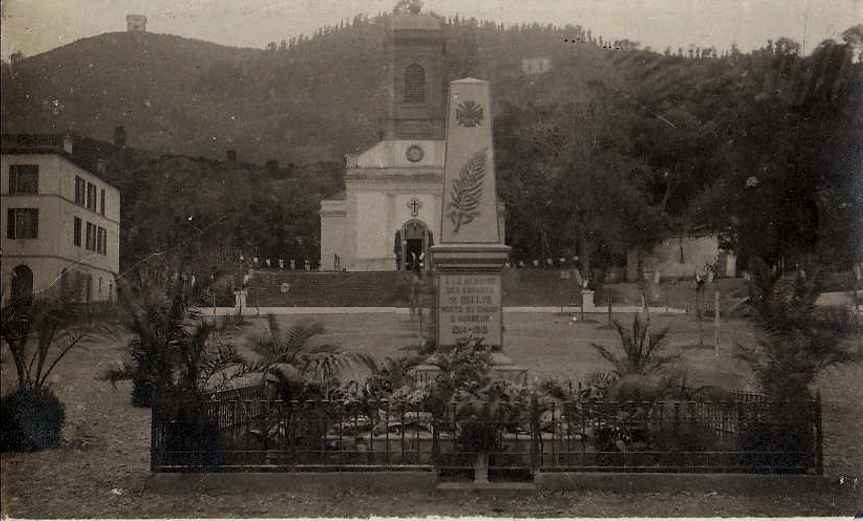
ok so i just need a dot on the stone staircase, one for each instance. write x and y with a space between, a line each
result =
519 287
272 288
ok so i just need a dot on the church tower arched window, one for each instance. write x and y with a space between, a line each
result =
415 84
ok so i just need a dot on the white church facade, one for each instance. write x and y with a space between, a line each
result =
389 214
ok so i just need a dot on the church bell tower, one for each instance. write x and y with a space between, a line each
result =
417 98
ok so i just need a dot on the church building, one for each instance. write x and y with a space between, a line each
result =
390 211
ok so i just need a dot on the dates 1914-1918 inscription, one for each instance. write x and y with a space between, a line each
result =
469 307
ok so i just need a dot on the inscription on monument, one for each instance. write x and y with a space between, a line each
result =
469 308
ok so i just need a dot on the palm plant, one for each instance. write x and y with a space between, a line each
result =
798 339
173 350
641 350
291 359
41 334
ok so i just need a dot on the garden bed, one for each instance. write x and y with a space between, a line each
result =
101 468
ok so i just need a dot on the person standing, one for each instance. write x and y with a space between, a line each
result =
414 293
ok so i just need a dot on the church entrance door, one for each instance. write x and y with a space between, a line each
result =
415 242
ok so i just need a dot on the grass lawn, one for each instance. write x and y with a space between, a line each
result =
550 345
102 467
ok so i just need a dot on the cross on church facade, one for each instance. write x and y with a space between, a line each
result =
414 206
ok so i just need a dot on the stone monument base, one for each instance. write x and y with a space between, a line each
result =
502 368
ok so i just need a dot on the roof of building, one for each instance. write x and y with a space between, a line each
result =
416 22
86 153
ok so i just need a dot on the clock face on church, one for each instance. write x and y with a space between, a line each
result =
414 153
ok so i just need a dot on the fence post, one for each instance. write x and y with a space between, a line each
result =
819 436
716 323
532 422
154 435
553 434
608 295
435 455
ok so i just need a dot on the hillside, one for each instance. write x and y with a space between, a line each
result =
155 85
314 99
622 144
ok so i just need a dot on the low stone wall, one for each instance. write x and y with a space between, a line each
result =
311 482
406 481
735 484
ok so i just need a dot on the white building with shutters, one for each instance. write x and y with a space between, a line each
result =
60 222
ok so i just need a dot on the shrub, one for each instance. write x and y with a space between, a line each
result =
635 387
32 420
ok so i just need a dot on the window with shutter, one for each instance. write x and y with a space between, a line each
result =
91 237
76 237
91 196
80 190
23 179
22 223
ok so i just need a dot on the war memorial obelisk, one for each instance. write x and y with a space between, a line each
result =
470 255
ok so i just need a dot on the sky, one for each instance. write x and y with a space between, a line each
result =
35 26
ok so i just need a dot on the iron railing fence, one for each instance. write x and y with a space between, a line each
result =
242 433
248 392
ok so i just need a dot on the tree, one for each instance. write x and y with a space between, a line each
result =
570 178
408 6
770 168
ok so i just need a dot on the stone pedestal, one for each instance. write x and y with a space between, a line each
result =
240 298
587 303
469 300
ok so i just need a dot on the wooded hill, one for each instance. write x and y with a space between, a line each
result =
312 98
614 147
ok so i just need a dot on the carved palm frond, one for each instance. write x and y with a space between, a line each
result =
466 191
